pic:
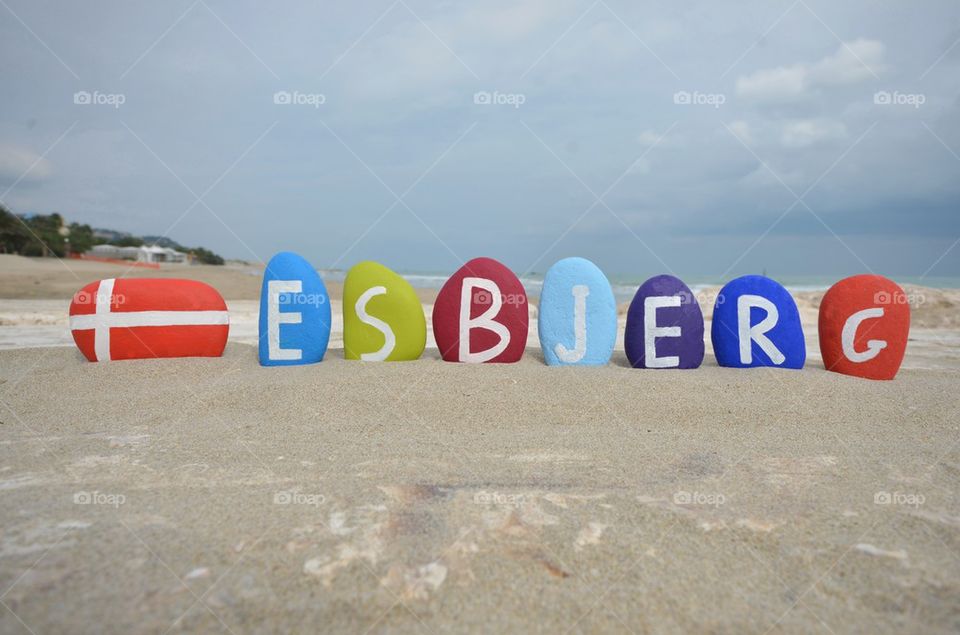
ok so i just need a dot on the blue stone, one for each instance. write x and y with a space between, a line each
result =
577 319
664 326
761 305
294 313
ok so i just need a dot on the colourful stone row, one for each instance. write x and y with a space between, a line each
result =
481 316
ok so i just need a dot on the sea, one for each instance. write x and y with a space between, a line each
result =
625 286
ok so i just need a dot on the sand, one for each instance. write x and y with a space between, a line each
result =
215 495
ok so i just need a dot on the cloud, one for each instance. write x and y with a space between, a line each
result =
801 133
399 88
24 164
742 130
853 62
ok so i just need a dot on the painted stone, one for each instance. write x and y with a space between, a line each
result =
294 313
382 316
577 319
664 326
144 318
864 325
480 314
756 323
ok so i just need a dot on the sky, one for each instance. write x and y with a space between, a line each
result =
796 137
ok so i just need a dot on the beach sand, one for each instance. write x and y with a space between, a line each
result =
214 494
426 496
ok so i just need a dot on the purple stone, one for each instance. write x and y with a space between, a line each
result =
675 322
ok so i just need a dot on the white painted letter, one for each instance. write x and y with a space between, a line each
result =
748 334
651 331
390 340
580 293
483 321
275 318
850 333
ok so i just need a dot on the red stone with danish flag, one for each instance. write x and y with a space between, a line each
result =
864 324
144 318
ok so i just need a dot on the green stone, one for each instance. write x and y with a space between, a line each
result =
382 316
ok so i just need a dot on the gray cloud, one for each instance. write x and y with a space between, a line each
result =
382 97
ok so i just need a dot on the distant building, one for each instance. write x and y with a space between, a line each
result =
145 253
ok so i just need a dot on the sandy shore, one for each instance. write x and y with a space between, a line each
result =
426 496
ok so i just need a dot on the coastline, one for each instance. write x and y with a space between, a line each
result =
36 293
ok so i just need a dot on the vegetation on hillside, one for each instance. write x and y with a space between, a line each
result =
47 235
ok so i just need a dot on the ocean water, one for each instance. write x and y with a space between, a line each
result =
625 286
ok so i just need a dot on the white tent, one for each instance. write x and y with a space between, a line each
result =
146 253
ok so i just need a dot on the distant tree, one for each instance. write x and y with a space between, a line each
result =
45 238
81 238
126 241
45 235
13 234
205 256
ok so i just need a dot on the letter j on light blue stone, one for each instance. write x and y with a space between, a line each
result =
577 320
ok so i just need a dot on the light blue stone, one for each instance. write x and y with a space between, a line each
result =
577 298
781 345
295 325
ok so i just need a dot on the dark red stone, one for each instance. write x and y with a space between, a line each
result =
512 314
